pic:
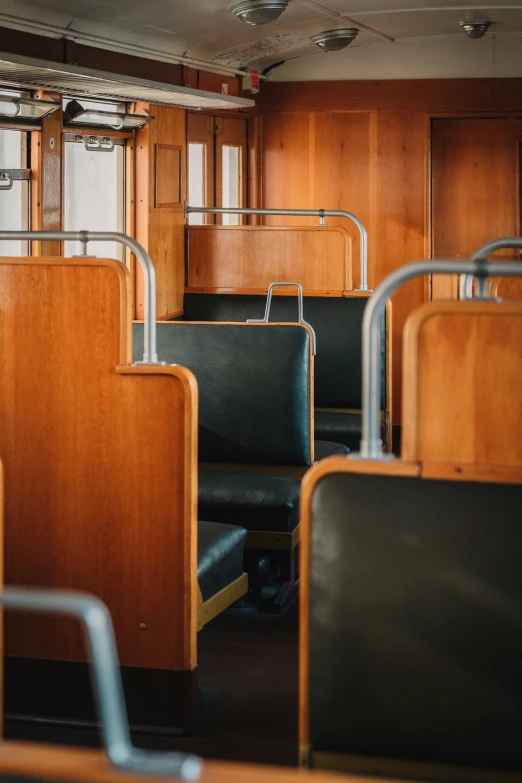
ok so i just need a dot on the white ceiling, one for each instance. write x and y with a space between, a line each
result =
427 41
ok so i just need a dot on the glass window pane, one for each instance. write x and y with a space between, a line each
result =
14 203
11 149
196 181
14 216
231 182
94 197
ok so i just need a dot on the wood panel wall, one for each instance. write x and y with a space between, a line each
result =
366 147
222 259
160 229
475 189
372 164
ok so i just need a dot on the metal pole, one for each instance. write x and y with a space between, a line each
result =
106 680
150 355
300 309
503 243
321 213
371 444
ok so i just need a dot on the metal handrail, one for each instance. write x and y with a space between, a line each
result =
321 213
300 309
106 680
150 355
503 243
371 444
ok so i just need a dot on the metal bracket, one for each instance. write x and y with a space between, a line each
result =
6 181
300 317
106 680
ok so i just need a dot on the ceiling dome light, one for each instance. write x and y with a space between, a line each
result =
257 12
335 40
476 28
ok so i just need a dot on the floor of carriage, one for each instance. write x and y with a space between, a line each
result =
248 694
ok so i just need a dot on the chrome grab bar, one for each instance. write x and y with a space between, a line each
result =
321 213
150 355
466 281
95 144
371 444
300 308
106 680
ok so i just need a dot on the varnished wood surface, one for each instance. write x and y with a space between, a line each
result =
425 95
252 257
506 288
51 180
90 766
475 190
232 132
161 229
100 464
462 380
373 164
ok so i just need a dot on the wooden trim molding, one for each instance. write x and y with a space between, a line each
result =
210 608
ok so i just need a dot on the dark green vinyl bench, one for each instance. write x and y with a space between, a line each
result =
412 626
337 322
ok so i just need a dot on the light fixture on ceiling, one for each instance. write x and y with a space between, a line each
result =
258 12
476 28
335 40
76 114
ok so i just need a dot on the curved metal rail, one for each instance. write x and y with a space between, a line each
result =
466 281
321 213
106 680
150 355
300 309
371 444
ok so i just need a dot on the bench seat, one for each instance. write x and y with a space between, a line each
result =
220 556
342 428
253 500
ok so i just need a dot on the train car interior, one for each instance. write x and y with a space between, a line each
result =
261 391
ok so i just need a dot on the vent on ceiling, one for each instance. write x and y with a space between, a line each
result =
40 74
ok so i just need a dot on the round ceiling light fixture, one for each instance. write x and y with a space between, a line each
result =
335 40
258 12
476 28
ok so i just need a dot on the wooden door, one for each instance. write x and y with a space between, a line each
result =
231 167
475 189
200 138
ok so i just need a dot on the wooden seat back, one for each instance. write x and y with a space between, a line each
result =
411 620
97 497
462 375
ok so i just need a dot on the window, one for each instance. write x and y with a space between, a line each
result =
231 182
94 188
14 189
196 180
216 166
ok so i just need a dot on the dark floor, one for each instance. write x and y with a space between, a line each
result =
248 700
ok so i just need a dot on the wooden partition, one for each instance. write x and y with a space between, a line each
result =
100 465
246 259
462 369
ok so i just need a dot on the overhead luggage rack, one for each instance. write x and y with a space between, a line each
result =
46 75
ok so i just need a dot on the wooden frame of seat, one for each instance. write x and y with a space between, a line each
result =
456 379
97 498
358 764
